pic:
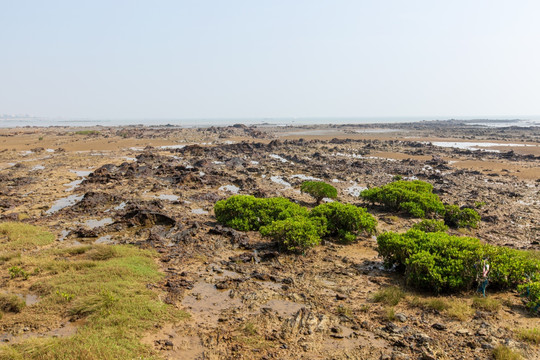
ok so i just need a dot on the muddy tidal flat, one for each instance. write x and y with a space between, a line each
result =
155 188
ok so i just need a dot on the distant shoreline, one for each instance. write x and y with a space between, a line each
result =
32 122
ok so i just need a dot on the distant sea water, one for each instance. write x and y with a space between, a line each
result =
9 122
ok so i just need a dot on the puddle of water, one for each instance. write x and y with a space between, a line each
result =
305 177
169 197
253 162
29 299
199 211
72 185
283 307
379 131
230 188
355 190
63 203
279 180
277 157
207 301
63 235
49 150
129 158
92 223
81 173
107 239
166 147
121 206
218 162
68 329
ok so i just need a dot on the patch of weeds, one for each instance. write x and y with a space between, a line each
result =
457 309
5 257
486 304
11 303
502 352
23 216
16 271
15 236
530 335
437 304
110 294
390 313
73 250
391 296
66 297
344 310
87 132
102 252
250 329
365 308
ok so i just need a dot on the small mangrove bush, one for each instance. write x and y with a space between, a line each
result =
319 190
417 199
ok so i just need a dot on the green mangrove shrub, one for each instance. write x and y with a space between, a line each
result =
414 197
431 225
319 190
443 262
344 221
291 225
460 218
294 234
531 291
246 212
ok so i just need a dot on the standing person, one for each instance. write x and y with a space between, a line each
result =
484 276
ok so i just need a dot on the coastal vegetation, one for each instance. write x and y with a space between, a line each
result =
103 288
294 227
417 199
319 190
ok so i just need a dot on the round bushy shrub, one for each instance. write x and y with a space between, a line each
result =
414 197
442 262
294 234
430 225
460 218
319 190
345 220
246 212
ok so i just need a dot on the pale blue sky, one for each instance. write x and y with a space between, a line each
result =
269 58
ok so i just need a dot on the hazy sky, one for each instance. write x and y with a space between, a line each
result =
269 58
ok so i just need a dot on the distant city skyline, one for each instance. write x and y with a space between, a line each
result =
278 59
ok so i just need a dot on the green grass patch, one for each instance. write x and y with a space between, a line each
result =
16 236
107 289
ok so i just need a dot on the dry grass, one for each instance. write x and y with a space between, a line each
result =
454 308
486 304
530 335
502 352
390 296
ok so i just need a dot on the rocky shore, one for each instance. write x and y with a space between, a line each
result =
155 187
